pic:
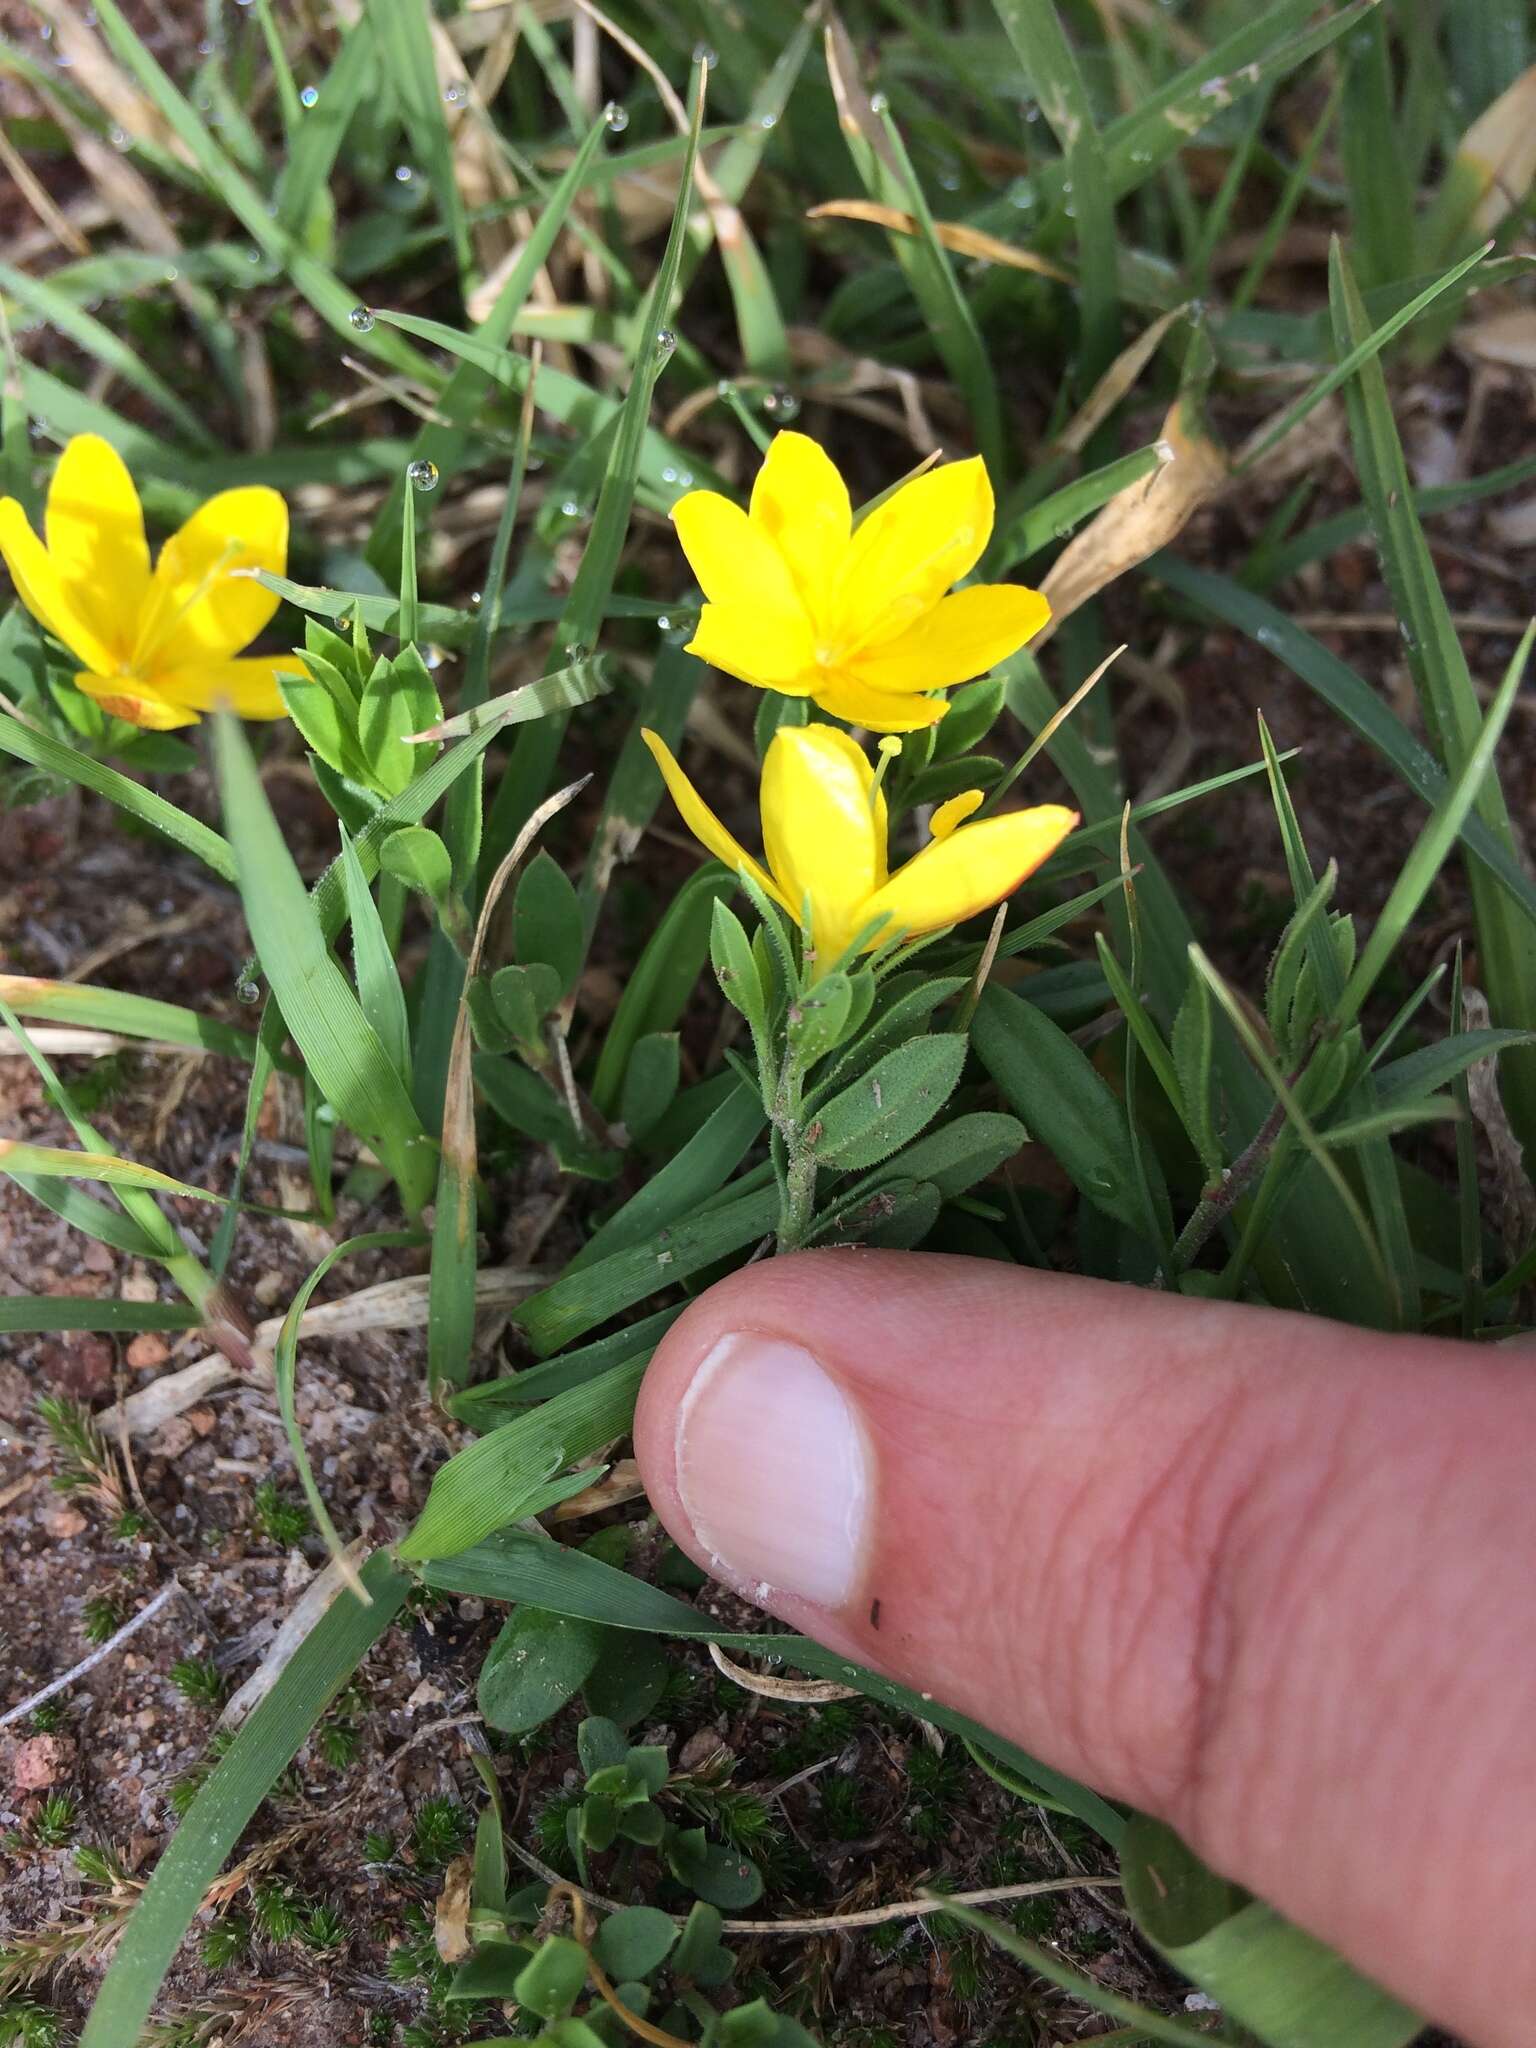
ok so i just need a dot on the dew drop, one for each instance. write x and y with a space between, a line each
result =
666 342
455 93
768 120
570 508
403 174
310 96
685 479
781 403
205 48
616 117
669 475
247 990
576 650
422 474
703 54
879 103
119 138
725 389
475 597
360 320
663 623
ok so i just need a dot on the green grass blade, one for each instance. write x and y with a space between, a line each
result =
42 750
1056 79
341 1049
403 33
373 962
317 135
663 978
108 1009
1452 714
1382 195
222 1810
1355 702
31 1314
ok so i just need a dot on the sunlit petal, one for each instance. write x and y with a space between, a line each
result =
702 822
842 693
974 867
948 816
825 839
40 590
248 687
94 527
962 636
204 605
734 559
759 645
909 551
124 696
801 502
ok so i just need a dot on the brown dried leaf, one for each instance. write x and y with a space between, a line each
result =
1116 381
1508 338
1136 523
1500 147
954 234
450 1921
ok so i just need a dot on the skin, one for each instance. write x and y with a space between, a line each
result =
1266 1577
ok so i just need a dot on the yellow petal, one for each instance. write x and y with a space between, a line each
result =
801 502
204 604
248 687
842 693
825 839
126 697
702 822
962 636
955 812
735 561
94 527
758 645
909 551
40 590
974 867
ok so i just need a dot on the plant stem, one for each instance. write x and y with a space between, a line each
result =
797 1187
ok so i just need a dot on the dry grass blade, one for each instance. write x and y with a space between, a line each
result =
1135 524
323 1588
80 48
1116 381
623 1483
954 234
36 195
805 1692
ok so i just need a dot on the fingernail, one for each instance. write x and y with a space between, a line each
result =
773 1470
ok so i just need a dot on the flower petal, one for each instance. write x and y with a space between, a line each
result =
735 561
126 697
94 528
962 636
248 687
842 693
769 648
908 552
41 591
948 816
825 839
199 608
801 502
702 822
975 866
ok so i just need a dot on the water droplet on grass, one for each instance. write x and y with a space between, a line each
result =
616 117
666 342
360 320
422 474
310 96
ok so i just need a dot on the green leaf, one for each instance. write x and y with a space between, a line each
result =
29 1314
628 1678
483 1486
736 970
1054 1087
1194 1057
963 1152
1435 1066
325 712
546 921
378 979
1289 1989
416 856
818 1021
890 1104
491 1972
61 1162
600 1743
719 1876
700 1956
579 1301
555 1979
633 1943
657 990
537 1663
238 1783
341 1049
698 1170
399 699
650 1084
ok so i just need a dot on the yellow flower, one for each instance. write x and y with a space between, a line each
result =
157 648
825 829
799 601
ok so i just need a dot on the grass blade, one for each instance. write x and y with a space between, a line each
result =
241 1779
